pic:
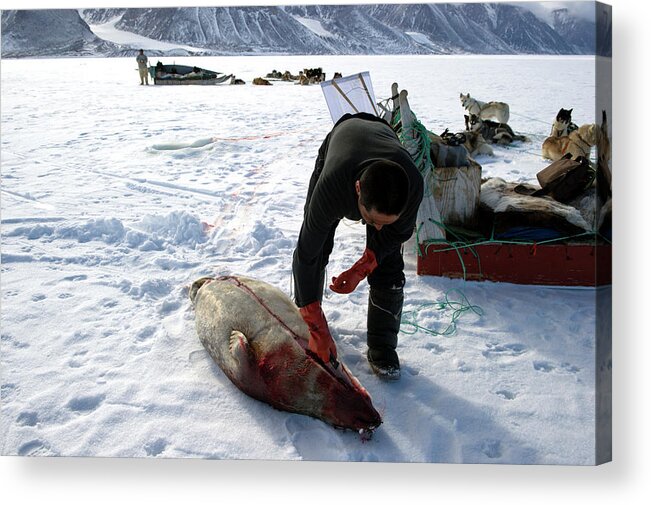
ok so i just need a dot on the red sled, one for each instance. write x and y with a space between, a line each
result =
571 264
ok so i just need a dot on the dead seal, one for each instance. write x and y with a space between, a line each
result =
258 338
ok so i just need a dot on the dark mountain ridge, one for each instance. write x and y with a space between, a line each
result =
473 28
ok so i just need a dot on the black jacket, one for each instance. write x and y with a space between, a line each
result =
352 144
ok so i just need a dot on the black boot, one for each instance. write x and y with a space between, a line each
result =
384 312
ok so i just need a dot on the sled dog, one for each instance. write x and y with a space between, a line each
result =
563 124
486 110
494 133
578 143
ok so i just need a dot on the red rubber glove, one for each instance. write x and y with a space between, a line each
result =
321 342
348 280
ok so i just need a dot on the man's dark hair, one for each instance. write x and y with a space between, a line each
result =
384 187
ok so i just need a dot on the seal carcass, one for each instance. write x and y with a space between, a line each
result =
258 338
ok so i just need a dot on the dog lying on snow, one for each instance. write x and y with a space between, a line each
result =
476 144
485 110
494 133
563 124
578 143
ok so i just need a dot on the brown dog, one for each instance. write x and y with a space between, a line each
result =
578 143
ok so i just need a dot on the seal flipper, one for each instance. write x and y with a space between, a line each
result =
239 347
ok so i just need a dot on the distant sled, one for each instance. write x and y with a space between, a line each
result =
185 74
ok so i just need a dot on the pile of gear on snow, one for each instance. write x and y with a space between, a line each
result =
573 199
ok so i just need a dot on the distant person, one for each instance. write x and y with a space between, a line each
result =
142 68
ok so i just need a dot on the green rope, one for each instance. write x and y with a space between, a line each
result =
423 161
454 245
458 308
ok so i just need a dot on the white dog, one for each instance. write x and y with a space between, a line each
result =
485 110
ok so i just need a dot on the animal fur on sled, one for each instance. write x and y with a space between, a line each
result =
511 209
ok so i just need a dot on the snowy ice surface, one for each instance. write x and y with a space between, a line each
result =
116 196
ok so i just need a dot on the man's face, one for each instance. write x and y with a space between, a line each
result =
371 216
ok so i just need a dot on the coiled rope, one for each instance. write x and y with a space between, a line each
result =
458 307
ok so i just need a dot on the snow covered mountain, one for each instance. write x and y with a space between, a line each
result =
45 32
579 33
478 28
226 29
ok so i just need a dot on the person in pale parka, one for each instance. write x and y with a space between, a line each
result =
142 68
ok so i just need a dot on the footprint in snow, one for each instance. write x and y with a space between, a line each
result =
506 394
498 350
73 363
7 391
84 404
409 370
435 348
543 366
35 448
156 447
567 367
562 369
198 356
8 339
27 418
146 333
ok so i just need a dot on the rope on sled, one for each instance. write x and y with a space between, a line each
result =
460 244
423 161
533 243
458 307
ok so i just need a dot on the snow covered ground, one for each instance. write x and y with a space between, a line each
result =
116 196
